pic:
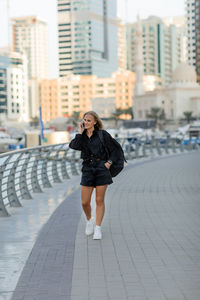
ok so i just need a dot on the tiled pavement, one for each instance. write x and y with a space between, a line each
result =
19 232
151 240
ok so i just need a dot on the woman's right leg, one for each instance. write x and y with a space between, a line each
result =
86 193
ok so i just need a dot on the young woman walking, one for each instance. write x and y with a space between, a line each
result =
95 168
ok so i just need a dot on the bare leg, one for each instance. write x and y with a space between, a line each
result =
86 193
100 206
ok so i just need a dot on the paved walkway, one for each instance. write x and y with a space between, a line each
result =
18 233
151 240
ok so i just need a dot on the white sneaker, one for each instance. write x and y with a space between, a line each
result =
97 233
89 227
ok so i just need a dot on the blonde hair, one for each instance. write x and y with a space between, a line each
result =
99 124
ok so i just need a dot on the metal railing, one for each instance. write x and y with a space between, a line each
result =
29 171
154 147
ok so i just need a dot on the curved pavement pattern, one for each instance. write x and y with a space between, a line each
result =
151 240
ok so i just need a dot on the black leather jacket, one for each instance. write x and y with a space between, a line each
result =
93 146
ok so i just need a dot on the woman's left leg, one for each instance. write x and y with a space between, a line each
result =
100 205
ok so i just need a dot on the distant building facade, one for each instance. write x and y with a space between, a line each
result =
183 94
87 37
13 86
122 49
30 38
197 22
74 93
164 46
191 31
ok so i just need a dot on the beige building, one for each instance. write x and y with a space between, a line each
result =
63 96
50 99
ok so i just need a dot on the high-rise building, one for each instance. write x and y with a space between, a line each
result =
13 86
197 22
122 61
30 38
193 34
191 31
164 46
87 37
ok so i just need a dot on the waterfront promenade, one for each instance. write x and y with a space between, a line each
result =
151 240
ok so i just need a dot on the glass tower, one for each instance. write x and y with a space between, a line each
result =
87 31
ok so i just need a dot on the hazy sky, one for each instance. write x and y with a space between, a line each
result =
47 10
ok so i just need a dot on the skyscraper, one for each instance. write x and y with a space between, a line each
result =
164 46
122 61
191 31
197 26
88 42
193 34
30 39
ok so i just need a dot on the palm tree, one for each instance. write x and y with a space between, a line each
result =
158 114
115 115
128 111
75 117
188 115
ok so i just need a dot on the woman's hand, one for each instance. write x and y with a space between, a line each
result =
81 127
107 165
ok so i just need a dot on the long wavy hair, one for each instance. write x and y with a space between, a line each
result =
99 124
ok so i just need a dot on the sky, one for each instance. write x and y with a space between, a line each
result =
47 9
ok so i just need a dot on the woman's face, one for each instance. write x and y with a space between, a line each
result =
89 121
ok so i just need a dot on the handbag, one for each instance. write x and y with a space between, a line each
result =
117 165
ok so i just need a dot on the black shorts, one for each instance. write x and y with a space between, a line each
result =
95 173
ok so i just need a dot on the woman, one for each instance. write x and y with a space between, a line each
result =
95 169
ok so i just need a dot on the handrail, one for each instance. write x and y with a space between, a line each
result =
30 170
27 171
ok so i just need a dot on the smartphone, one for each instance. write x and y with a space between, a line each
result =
82 125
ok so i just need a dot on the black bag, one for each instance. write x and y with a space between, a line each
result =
117 165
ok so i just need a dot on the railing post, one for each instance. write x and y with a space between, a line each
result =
45 179
144 150
181 146
158 147
129 151
151 149
65 174
166 146
55 175
173 146
23 180
3 211
12 195
136 150
34 176
73 166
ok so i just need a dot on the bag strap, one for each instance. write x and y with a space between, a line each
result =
101 137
